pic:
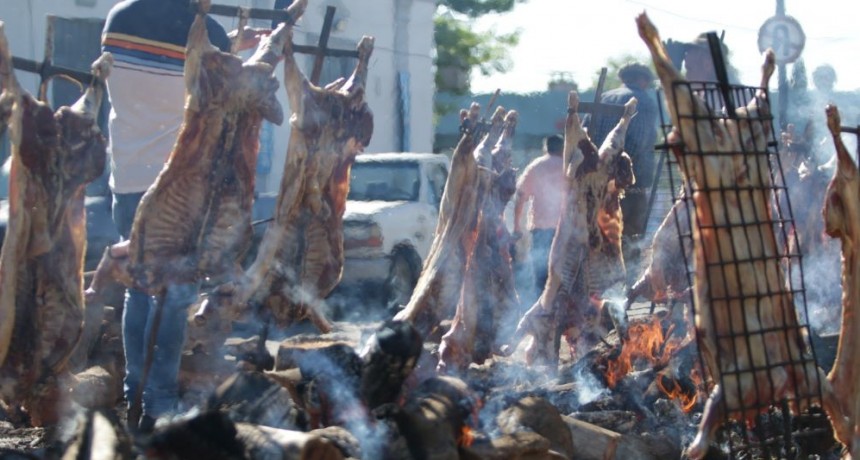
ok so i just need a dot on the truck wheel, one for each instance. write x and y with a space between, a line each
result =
401 280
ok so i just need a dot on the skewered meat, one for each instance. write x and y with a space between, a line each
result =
565 304
300 258
54 156
747 325
488 294
440 283
195 220
842 220
664 278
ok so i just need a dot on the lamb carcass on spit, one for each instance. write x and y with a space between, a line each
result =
194 222
54 156
748 329
488 295
842 220
665 277
584 234
440 283
300 257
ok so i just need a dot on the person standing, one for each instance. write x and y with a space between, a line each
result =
146 91
542 183
639 142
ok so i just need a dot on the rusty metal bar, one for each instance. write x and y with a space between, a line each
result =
322 47
46 70
252 13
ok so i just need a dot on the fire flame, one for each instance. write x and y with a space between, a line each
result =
648 342
466 437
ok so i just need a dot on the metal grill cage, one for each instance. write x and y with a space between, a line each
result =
776 432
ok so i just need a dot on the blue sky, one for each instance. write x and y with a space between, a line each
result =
578 36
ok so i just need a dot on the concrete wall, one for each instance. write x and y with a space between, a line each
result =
403 30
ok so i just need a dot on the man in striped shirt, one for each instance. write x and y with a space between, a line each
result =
147 94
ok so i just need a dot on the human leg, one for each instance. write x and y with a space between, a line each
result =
541 243
134 320
162 387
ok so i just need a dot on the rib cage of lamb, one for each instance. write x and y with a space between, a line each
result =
753 345
300 257
842 220
195 220
487 295
54 156
585 256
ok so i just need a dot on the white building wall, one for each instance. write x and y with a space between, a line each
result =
25 28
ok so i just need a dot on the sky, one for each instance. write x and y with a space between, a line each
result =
578 36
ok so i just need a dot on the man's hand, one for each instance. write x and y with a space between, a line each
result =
250 37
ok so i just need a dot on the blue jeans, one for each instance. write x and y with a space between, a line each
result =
541 244
162 386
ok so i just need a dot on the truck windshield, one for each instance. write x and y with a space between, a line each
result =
384 181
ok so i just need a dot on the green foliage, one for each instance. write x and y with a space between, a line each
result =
475 8
613 65
460 49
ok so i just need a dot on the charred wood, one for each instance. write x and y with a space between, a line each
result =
434 417
253 397
591 442
541 417
388 359
100 435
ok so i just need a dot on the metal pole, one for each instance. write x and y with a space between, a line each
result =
782 76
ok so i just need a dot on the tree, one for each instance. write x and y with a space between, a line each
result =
613 65
460 50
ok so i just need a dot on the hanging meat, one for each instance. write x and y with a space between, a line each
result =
194 222
664 279
842 221
54 156
585 257
439 286
300 257
747 325
488 295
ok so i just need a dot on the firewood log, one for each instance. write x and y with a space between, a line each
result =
521 445
99 436
254 397
541 417
434 416
591 442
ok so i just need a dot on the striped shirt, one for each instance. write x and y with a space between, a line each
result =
146 88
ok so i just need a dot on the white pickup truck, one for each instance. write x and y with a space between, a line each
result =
389 223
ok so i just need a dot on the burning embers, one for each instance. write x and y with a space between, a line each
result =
668 350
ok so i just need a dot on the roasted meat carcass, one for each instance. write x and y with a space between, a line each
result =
748 329
842 221
54 156
588 233
300 258
665 278
194 222
488 295
440 283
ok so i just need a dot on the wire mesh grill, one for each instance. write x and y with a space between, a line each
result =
740 213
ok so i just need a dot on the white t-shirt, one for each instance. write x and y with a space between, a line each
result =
143 128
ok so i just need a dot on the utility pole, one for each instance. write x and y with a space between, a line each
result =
782 77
